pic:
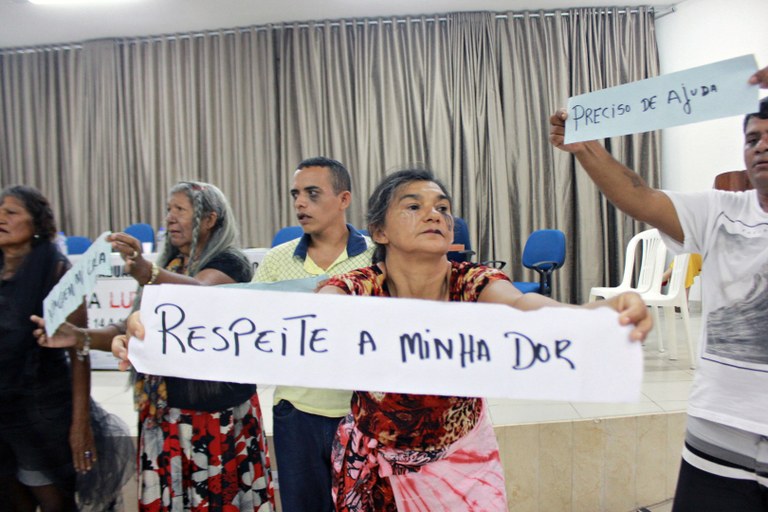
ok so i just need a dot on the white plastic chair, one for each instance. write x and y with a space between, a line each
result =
675 297
653 254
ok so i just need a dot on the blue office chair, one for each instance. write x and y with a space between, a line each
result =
78 244
286 234
142 232
461 236
544 253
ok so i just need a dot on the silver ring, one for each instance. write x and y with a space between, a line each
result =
88 454
134 254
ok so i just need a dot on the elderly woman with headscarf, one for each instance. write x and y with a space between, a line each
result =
201 444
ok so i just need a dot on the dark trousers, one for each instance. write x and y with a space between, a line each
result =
699 491
303 454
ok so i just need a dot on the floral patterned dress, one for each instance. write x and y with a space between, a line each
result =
193 460
388 438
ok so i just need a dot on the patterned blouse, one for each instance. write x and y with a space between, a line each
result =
416 422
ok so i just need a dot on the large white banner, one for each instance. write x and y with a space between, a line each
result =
391 345
689 96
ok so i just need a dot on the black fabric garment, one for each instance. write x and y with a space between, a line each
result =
25 367
35 382
699 491
212 396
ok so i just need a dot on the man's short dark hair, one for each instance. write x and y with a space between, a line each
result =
760 114
340 178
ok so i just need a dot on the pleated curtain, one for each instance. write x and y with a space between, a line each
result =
105 128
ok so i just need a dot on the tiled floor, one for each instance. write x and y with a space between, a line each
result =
665 388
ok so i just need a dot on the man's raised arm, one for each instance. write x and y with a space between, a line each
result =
622 186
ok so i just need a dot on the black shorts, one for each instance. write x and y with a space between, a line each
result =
34 439
700 491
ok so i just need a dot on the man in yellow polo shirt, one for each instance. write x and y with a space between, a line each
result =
305 420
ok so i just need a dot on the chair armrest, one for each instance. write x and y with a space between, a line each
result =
497 264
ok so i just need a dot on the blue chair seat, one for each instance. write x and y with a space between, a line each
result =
461 237
526 287
142 232
544 253
77 244
286 234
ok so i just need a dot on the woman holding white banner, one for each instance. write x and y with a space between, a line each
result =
400 452
404 452
202 444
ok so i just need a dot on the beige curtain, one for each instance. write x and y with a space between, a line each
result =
105 128
204 108
547 57
41 124
600 233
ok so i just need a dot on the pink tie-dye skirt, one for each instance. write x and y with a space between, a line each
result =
467 476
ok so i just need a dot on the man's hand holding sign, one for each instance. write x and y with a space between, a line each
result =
647 204
690 96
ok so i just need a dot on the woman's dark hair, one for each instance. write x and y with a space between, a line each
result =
38 207
381 198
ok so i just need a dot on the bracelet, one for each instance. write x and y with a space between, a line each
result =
82 353
153 275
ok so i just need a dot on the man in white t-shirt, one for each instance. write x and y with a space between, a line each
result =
725 457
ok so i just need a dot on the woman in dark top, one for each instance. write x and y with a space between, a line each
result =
39 429
201 444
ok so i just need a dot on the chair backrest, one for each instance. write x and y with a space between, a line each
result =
679 273
544 250
652 255
732 180
461 237
285 234
78 244
143 232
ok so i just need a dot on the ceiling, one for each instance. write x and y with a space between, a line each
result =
25 24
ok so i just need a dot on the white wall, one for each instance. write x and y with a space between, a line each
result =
701 32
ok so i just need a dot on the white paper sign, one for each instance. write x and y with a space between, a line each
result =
111 299
690 96
76 283
391 345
